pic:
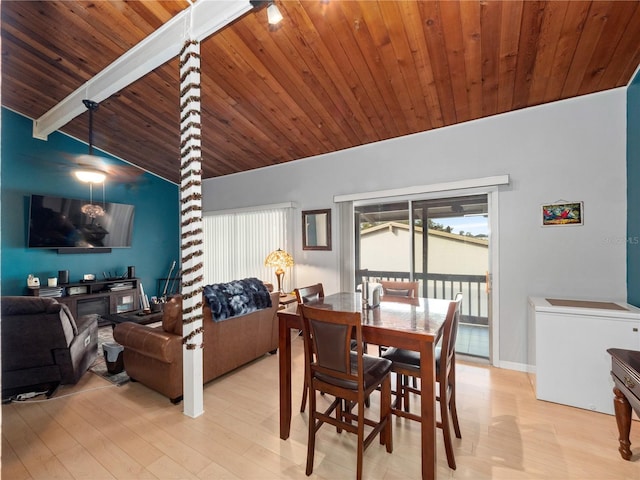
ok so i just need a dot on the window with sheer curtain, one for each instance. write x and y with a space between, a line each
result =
237 242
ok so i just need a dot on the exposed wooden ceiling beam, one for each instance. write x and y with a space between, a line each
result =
200 20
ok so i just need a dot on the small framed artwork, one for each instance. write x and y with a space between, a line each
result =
316 229
565 213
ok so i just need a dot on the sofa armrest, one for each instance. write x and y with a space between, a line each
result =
147 341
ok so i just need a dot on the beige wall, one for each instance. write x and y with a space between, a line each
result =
387 249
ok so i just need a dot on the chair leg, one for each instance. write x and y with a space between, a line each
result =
397 404
303 405
454 412
452 400
360 442
386 434
305 389
405 392
311 441
446 427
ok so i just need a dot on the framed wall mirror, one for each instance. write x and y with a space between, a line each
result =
316 229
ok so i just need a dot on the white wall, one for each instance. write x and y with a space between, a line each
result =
570 150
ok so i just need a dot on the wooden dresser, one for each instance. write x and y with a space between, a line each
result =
625 371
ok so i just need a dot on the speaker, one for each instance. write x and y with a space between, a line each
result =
131 272
63 277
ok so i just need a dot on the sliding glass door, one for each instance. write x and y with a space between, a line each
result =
443 244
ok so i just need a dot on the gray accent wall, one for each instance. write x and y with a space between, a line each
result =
573 150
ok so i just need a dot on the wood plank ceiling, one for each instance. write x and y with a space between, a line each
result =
334 74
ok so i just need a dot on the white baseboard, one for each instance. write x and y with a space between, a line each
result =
520 367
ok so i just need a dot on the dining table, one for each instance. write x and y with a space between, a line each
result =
409 323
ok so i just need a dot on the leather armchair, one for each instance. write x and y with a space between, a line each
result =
43 346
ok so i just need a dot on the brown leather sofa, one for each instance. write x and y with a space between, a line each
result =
43 346
153 356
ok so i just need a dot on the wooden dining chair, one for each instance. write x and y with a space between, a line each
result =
406 363
350 376
310 294
398 289
306 295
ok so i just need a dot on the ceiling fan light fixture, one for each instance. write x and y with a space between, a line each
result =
273 14
90 176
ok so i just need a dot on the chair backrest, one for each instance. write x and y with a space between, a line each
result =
392 289
327 338
312 293
449 336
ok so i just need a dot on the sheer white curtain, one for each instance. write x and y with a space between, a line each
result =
236 243
346 235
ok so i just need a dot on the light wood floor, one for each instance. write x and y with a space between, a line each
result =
130 432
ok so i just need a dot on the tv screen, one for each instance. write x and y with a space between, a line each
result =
56 222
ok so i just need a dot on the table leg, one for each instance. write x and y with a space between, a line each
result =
284 345
622 408
428 410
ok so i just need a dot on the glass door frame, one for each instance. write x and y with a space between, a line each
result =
348 251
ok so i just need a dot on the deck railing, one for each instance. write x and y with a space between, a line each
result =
475 305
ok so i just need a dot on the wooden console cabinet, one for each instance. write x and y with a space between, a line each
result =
625 371
105 297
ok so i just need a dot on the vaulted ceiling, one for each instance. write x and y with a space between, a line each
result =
334 75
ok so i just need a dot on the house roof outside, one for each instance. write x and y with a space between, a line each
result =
432 231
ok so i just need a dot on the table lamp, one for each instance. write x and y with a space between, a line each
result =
279 259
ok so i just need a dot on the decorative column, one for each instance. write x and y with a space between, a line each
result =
191 236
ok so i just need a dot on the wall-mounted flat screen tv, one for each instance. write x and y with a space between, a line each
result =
56 222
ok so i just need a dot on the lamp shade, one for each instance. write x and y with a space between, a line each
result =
278 258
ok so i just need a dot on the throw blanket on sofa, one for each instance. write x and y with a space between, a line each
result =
236 298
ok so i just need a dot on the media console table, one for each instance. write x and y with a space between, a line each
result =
104 297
